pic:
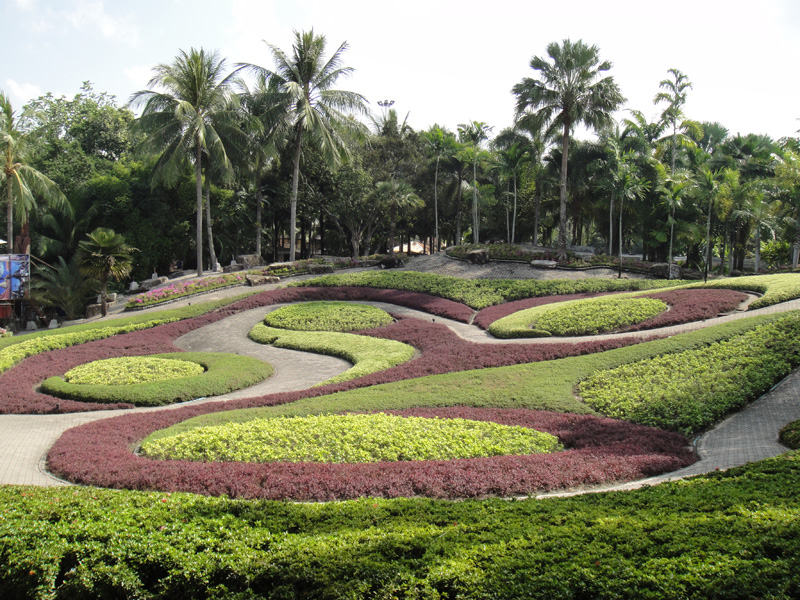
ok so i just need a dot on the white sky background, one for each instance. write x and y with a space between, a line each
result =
445 62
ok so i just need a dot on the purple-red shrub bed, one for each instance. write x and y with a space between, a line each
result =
490 314
600 451
442 351
687 306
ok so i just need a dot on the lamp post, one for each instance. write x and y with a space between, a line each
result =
385 105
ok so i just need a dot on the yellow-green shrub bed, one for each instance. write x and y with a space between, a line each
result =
328 316
221 373
351 438
578 317
128 370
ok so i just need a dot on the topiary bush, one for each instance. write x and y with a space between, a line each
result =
790 435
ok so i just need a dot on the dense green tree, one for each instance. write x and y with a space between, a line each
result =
395 196
314 111
23 183
570 89
193 111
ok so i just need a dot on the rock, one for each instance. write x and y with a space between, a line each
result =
478 257
317 269
232 268
662 270
249 261
737 273
261 279
391 263
93 310
544 264
149 284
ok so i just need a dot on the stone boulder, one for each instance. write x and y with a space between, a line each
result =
149 284
544 264
391 263
249 261
662 271
261 279
317 269
478 257
232 268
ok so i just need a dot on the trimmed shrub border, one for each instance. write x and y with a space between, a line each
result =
224 372
601 450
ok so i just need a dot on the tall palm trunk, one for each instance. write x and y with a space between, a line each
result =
476 238
514 214
436 204
611 226
537 203
212 255
671 237
562 211
9 213
198 174
258 218
295 180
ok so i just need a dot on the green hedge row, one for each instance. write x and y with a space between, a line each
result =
480 293
328 316
367 354
733 534
774 288
223 373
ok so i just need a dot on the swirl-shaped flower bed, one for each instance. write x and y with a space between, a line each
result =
598 451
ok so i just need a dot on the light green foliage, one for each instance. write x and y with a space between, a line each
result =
689 391
368 354
327 316
480 293
11 355
775 288
351 439
577 317
129 370
790 435
221 373
548 385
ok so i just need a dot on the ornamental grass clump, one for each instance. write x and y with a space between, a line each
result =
578 317
351 438
131 370
328 316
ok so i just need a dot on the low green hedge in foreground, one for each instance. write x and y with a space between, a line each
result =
590 316
328 316
732 534
351 438
367 354
689 391
223 373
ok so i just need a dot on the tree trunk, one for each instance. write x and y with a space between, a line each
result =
212 255
392 217
476 238
258 218
708 241
198 174
671 234
295 180
537 203
436 205
9 213
514 213
459 200
796 252
562 211
611 227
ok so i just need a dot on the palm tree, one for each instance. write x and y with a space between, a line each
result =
311 107
511 160
474 132
676 187
105 254
672 116
23 182
570 90
195 115
395 195
62 285
440 142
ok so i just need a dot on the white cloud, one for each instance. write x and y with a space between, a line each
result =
21 93
139 75
92 14
24 4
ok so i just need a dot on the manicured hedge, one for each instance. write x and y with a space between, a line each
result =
689 391
327 316
775 288
223 373
790 435
733 534
480 293
127 370
368 355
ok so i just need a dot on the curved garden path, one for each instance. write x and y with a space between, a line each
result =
747 436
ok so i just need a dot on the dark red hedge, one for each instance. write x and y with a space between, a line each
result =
600 451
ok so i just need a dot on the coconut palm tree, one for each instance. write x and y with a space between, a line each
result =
672 116
570 89
315 112
192 112
105 255
441 143
395 195
474 133
23 183
511 160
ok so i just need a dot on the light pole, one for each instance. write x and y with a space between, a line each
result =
385 105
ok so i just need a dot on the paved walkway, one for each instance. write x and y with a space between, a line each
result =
745 437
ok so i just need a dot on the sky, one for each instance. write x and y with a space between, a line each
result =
445 62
